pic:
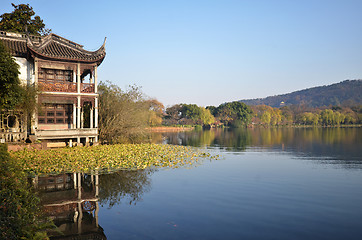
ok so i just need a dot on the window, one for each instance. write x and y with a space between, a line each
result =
45 74
56 114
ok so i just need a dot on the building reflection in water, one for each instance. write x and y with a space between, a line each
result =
71 201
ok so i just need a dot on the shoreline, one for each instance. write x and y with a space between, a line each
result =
170 129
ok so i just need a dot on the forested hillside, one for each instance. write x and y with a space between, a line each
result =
347 93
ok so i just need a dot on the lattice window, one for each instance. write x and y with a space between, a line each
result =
45 74
11 119
56 114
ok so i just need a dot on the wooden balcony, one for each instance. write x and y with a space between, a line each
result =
57 86
87 88
63 86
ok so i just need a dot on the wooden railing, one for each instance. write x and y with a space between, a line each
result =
13 136
87 87
61 86
57 86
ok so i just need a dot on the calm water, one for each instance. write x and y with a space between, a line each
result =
269 184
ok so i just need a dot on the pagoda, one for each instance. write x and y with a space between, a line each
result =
66 76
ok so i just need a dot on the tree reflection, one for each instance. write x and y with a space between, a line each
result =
343 142
127 185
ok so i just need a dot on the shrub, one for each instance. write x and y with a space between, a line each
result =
19 206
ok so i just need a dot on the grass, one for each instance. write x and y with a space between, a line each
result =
107 158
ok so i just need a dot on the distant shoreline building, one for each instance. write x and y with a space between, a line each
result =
66 75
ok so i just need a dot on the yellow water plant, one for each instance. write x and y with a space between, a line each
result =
108 158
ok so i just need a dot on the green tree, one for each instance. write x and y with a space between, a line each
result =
276 116
338 118
302 118
232 111
206 117
173 114
315 119
266 118
327 117
213 110
10 90
191 111
225 115
287 115
22 20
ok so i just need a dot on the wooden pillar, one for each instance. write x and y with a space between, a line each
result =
91 117
79 203
96 213
74 74
97 183
95 80
81 118
78 112
80 217
36 66
74 115
78 78
96 101
79 185
75 180
96 112
34 117
91 77
78 100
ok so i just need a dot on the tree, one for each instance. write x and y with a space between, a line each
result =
173 115
191 111
276 117
232 111
338 118
206 117
21 20
213 109
327 117
10 90
265 118
287 115
155 112
123 115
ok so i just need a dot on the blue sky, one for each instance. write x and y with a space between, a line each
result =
208 52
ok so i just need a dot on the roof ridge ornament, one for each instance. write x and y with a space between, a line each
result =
104 42
29 42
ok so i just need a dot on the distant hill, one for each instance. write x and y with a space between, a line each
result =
348 93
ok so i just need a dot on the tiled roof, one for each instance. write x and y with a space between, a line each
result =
54 46
51 46
16 48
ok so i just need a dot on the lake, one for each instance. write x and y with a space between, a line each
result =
278 183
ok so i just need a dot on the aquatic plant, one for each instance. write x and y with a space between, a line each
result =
108 158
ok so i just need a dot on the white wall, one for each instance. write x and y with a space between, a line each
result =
26 70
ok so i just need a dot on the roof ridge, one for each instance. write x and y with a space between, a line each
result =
52 46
